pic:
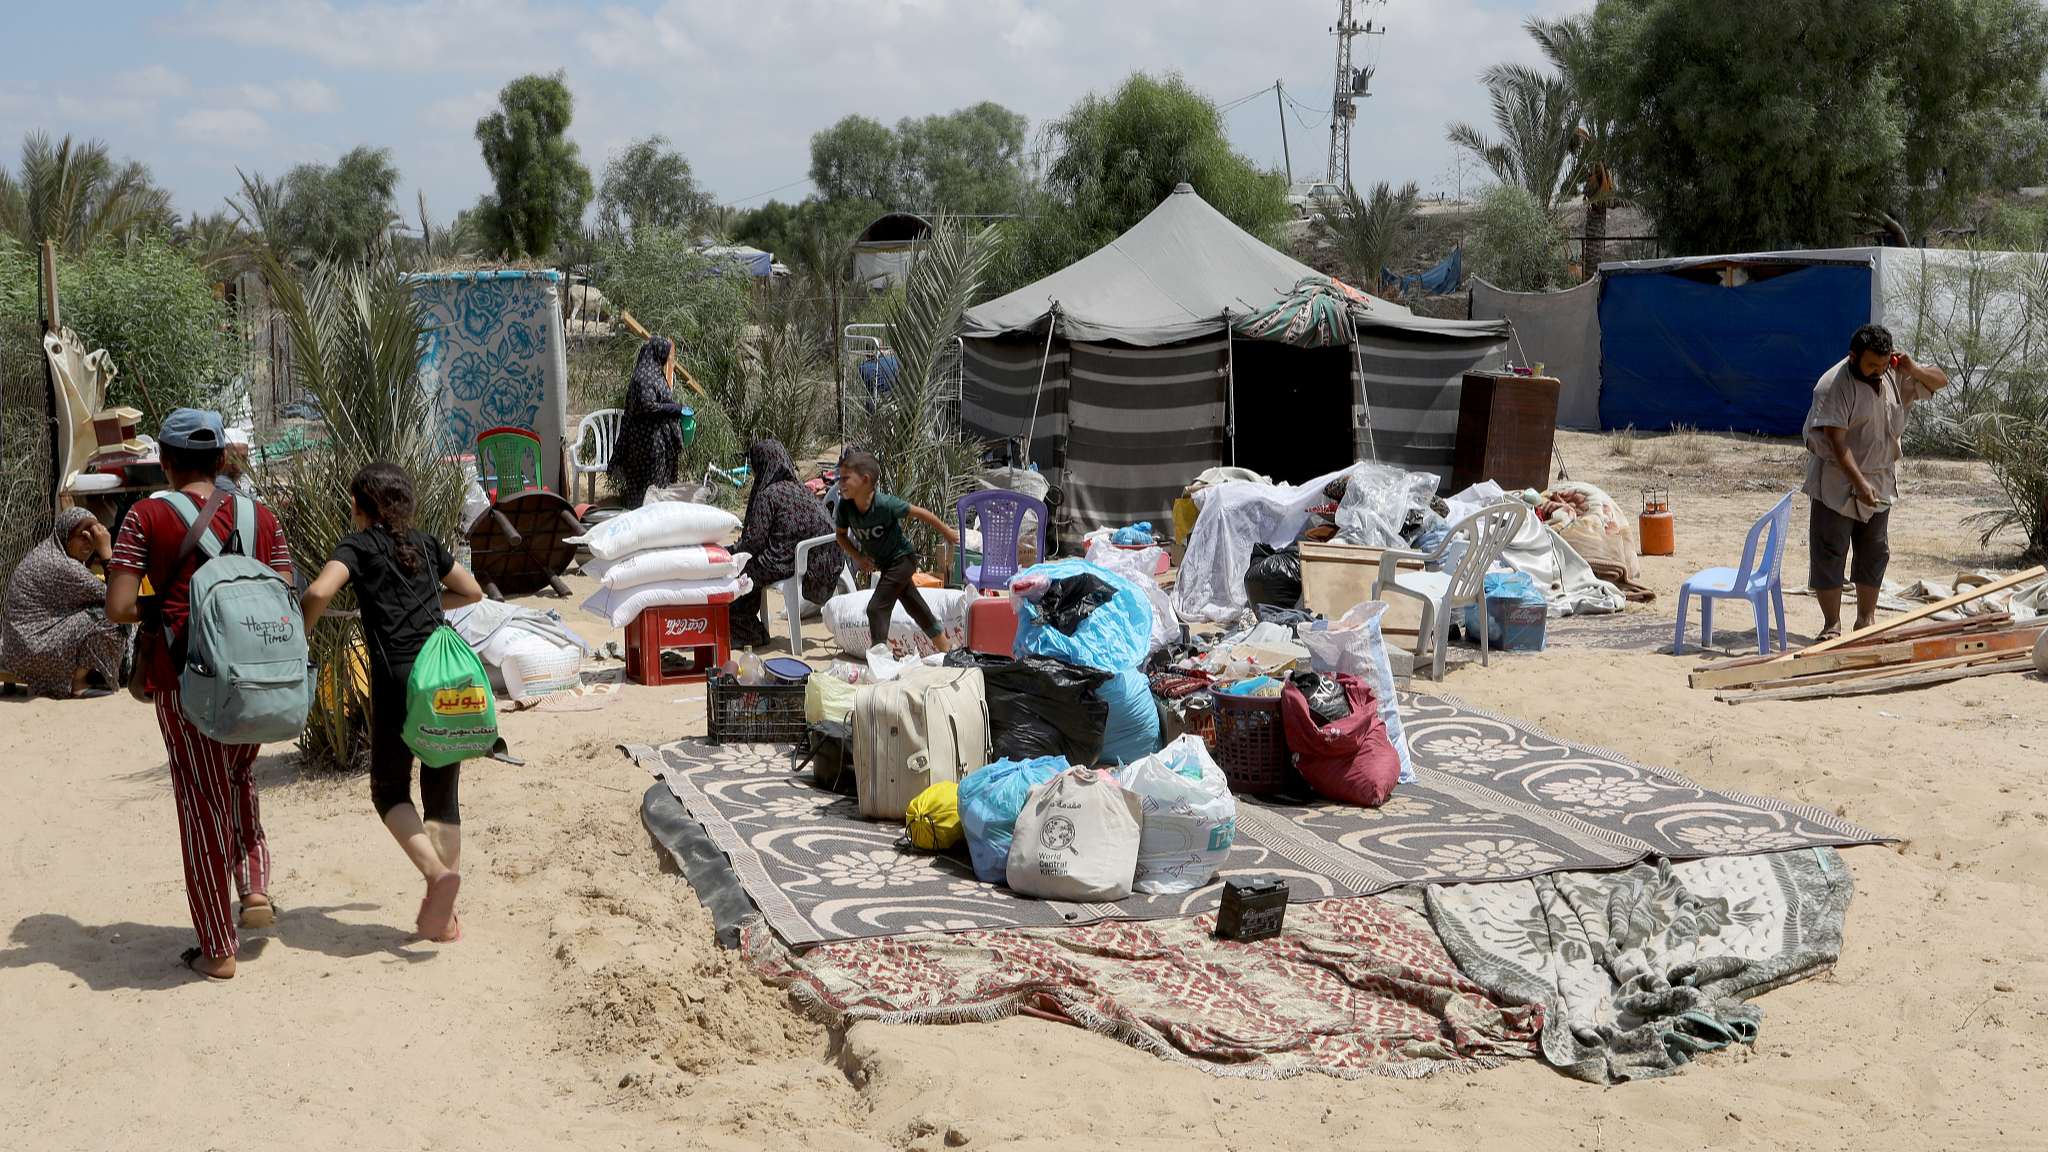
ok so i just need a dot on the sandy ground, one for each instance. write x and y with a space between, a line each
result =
588 1008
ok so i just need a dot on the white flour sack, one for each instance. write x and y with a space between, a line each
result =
683 562
621 605
1076 839
847 619
1190 816
664 525
526 666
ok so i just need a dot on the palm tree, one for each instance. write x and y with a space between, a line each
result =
260 208
1568 45
77 196
824 261
217 243
1538 120
1371 233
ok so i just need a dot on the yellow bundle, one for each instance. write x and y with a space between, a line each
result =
934 817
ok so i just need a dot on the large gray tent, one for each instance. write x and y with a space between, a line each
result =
1122 375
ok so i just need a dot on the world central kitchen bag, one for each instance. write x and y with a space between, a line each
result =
1076 839
450 714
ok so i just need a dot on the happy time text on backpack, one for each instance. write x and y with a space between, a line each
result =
245 678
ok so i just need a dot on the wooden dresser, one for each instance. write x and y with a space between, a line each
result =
1506 429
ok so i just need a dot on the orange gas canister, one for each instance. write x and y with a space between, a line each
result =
1655 529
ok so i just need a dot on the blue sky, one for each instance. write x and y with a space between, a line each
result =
199 89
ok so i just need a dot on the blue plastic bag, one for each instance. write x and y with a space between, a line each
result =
990 799
1115 638
1139 533
1515 613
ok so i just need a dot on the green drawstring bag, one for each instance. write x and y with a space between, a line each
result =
450 713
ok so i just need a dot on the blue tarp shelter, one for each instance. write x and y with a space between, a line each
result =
1730 343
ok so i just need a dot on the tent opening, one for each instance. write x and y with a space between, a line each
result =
1293 409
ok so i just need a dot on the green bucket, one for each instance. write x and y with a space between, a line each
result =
689 418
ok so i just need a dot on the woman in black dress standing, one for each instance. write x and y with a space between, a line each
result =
651 432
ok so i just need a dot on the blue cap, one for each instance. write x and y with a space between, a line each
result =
192 428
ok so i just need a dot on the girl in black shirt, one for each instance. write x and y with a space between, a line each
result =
404 580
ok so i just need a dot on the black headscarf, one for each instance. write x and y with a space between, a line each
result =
650 394
768 464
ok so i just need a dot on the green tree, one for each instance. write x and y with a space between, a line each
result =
541 186
780 228
1517 243
969 161
645 183
1116 157
77 196
1779 123
1375 231
857 159
340 211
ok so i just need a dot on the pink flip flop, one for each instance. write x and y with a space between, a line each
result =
437 911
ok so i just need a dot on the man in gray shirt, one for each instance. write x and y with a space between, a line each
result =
1853 432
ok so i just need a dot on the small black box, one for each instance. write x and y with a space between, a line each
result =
1254 908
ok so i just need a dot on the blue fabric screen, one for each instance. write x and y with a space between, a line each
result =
1745 359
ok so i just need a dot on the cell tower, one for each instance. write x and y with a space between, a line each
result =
1351 82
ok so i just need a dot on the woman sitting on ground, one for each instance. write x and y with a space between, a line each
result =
781 514
651 431
57 632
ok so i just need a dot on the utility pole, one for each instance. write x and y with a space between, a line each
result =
1350 87
1280 102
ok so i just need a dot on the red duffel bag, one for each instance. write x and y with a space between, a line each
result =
1351 760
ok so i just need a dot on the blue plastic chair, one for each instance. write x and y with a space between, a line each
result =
1759 584
1001 513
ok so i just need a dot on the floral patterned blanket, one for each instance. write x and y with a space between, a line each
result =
1636 970
1351 988
1494 799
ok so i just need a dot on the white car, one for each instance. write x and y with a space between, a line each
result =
1309 199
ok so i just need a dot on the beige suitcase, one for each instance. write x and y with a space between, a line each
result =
927 726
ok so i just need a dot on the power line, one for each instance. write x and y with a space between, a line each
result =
770 192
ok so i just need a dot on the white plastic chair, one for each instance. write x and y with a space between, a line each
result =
792 591
603 424
1490 531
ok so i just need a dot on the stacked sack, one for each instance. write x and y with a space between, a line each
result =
661 554
1085 614
846 617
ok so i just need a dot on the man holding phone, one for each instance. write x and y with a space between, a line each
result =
1853 434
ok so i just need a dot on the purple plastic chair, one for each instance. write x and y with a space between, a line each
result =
1756 581
1001 513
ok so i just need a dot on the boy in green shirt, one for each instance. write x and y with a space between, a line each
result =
871 533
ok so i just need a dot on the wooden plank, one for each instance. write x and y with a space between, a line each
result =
2012 662
1865 674
1720 677
1986 623
1924 611
636 329
1915 652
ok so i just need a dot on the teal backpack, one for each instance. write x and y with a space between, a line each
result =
246 677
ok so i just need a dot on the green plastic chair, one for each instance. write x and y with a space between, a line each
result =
504 454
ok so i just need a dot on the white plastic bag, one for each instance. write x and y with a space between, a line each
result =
620 605
663 525
685 562
1076 839
1189 816
1353 645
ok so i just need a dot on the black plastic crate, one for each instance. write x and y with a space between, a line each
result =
756 713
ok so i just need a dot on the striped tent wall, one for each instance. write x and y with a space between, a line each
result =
1409 390
1002 387
1142 422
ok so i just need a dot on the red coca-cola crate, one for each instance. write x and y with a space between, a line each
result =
700 629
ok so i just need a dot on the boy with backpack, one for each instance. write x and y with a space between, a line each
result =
170 538
870 524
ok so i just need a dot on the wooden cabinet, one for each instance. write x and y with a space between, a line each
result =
1506 429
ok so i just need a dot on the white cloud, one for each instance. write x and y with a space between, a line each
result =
309 95
155 82
428 36
237 126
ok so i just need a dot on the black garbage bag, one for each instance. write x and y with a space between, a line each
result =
1070 599
1039 706
1274 576
1326 699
